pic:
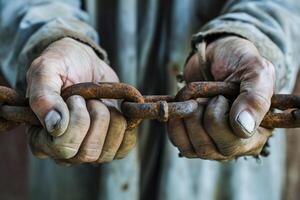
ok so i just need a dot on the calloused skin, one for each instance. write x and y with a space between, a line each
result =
219 130
93 131
75 131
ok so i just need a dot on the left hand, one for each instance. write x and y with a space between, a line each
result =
219 130
76 130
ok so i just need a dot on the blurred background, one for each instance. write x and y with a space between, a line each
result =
14 154
14 157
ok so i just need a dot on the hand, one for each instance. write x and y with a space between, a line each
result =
75 131
219 130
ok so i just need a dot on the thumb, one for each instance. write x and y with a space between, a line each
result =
43 91
250 107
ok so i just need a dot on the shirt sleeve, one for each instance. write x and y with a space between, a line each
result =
272 26
28 27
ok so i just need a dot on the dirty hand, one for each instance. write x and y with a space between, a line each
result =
221 130
75 130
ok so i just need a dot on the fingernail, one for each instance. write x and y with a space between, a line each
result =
52 120
246 120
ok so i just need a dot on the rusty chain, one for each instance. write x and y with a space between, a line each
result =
136 107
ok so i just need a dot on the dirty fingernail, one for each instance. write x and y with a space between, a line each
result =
52 120
247 122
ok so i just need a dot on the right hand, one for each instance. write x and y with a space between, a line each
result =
221 130
75 131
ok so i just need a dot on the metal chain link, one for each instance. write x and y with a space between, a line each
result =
136 107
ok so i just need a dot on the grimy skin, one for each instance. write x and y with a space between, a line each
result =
220 131
75 131
79 131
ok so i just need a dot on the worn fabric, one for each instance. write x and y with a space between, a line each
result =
147 43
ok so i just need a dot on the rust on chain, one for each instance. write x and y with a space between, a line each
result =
104 91
161 110
15 110
207 89
107 91
11 97
8 97
287 119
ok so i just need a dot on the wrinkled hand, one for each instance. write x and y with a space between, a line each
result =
75 131
221 130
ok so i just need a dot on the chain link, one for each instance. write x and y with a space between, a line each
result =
136 107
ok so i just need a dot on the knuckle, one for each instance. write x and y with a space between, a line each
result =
204 151
263 67
88 155
64 151
80 120
128 147
76 100
258 61
262 101
124 150
269 66
189 154
37 99
89 152
99 112
231 150
259 101
263 64
209 152
37 67
36 63
106 156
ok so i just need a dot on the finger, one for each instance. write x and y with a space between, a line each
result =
92 144
128 143
114 136
192 71
67 145
44 85
257 86
202 143
217 126
39 142
179 138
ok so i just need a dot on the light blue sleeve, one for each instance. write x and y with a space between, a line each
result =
272 25
28 27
